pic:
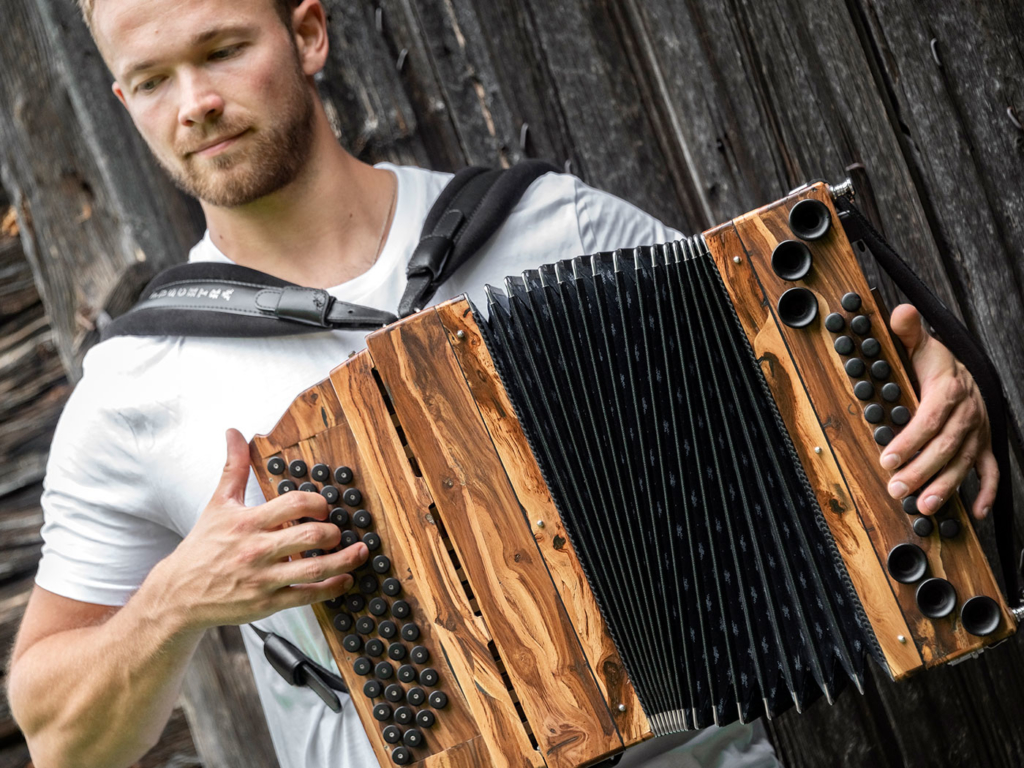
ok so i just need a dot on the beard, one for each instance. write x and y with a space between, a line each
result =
264 160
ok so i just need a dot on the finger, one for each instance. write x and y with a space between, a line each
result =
310 570
309 594
935 455
296 539
235 476
988 476
905 322
944 485
933 413
293 505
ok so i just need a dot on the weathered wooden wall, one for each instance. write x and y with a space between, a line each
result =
696 110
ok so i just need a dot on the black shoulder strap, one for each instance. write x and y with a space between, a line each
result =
226 300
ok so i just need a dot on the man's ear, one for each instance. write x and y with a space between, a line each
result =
116 88
309 25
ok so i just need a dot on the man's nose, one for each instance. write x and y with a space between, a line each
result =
200 101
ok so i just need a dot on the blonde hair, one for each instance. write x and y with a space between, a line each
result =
284 10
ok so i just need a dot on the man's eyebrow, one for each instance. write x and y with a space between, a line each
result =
198 39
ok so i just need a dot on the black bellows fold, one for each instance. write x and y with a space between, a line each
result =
678 484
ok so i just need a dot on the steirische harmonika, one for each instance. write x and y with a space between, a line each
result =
640 494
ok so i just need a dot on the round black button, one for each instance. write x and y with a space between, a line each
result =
375 648
378 606
425 718
949 528
854 367
382 712
308 487
850 302
910 505
372 541
355 603
372 689
392 587
384 671
297 468
339 517
416 696
429 677
844 345
874 413
880 370
320 472
404 715
330 493
400 609
394 693
412 738
387 629
392 734
342 622
368 584
275 466
381 564
352 643
899 415
397 652
860 325
891 392
353 497
923 526
863 390
365 625
884 435
407 673
401 756
410 632
343 476
438 699
420 655
362 519
870 347
348 538
362 666
313 553
285 486
335 603
835 322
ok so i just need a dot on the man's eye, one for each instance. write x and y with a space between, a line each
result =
225 53
150 85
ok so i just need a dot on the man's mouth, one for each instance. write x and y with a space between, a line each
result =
217 145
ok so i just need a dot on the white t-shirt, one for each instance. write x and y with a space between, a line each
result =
140 445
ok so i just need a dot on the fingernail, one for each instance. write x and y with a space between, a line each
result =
890 461
897 489
985 511
932 503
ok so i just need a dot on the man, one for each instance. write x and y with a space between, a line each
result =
139 559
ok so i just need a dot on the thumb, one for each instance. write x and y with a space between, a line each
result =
235 476
905 322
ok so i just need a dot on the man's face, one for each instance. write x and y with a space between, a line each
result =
211 70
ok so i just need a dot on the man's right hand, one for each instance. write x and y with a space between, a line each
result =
241 564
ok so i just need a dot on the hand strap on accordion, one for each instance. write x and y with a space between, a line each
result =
968 351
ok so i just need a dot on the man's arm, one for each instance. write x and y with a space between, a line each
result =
93 685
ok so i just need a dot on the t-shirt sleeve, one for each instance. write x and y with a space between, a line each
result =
100 531
607 222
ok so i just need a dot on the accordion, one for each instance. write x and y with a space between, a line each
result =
641 494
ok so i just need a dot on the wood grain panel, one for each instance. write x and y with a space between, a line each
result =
530 628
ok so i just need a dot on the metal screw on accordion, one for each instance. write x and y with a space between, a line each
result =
901 638
460 335
817 449
736 259
622 707
540 523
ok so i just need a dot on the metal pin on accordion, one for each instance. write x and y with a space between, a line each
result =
540 523
737 259
460 335
817 449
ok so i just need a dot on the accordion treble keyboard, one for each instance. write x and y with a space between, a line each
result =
576 580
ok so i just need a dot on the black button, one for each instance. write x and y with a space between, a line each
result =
378 606
923 526
392 587
365 625
330 493
348 538
416 696
335 603
420 655
392 734
381 564
297 468
353 497
400 609
320 473
362 666
844 345
352 643
375 648
425 718
880 370
372 689
884 435
899 415
860 325
910 505
362 519
410 632
870 347
387 629
949 528
438 699
339 517
384 671
382 712
368 584
863 390
313 553
850 302
835 322
343 476
404 715
407 673
891 392
854 367
412 738
355 603
428 677
874 413
401 756
308 487
397 652
285 486
342 622
276 466
394 693
372 541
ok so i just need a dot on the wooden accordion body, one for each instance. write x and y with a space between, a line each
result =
501 606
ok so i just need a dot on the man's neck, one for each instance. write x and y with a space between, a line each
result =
323 229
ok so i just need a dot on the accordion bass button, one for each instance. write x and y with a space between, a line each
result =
863 390
362 666
378 606
276 466
874 413
330 493
397 652
420 655
384 671
342 622
381 564
374 648
407 673
835 322
416 696
372 541
400 609
880 370
401 756
387 629
438 699
297 468
392 587
308 488
891 392
910 505
884 435
382 712
394 693
870 347
429 677
286 486
368 584
343 476
348 538
900 415
355 603
924 526
850 302
339 517
320 472
843 345
949 529
352 643
425 718
404 715
861 325
412 738
365 625
362 518
392 734
372 689
353 497
854 367
410 632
